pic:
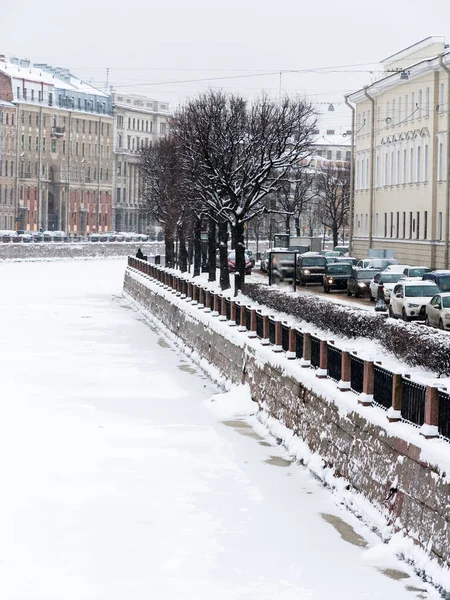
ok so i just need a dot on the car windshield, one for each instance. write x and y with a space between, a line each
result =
421 290
339 269
419 272
446 301
364 274
390 277
314 261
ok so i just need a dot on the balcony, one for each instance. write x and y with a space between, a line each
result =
58 131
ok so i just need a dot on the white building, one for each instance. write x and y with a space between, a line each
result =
139 121
402 158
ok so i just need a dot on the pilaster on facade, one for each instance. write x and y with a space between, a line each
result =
8 122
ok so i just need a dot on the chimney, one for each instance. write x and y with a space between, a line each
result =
2 58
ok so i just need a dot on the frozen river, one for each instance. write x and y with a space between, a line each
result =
119 481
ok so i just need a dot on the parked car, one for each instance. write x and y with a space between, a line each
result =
330 254
388 280
440 277
350 260
416 272
26 237
7 235
409 299
397 268
376 263
311 268
343 250
336 276
232 262
437 311
358 283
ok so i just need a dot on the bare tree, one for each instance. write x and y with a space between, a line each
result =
243 153
166 197
333 190
295 195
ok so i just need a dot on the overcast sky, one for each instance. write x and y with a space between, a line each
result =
161 48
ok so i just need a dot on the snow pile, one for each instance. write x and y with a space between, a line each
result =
235 403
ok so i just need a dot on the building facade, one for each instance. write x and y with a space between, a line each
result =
401 159
62 147
8 163
139 122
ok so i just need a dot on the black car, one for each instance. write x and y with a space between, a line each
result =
310 268
358 283
336 276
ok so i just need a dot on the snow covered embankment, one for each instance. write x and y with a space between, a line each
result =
405 477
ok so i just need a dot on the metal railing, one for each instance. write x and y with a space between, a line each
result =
259 325
238 313
444 414
413 402
315 352
272 330
356 374
285 336
299 344
334 362
382 387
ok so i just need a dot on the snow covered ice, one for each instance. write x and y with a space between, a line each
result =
126 474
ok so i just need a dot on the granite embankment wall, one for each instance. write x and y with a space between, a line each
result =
397 476
43 251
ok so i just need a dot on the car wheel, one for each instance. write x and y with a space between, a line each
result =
427 321
326 289
405 316
357 294
348 292
441 324
302 282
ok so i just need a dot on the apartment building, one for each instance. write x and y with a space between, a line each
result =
139 122
8 124
62 144
401 162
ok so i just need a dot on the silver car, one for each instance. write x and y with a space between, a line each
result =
437 311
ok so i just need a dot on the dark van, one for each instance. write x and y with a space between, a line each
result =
311 268
440 277
336 276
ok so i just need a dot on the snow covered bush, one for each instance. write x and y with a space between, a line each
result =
412 343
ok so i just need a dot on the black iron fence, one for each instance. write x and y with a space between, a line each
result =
272 327
413 402
285 337
444 414
315 352
299 344
228 308
259 325
334 362
382 387
356 373
238 313
248 319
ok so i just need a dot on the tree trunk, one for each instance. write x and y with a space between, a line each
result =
182 250
288 224
212 228
169 248
297 226
335 235
197 246
223 254
239 277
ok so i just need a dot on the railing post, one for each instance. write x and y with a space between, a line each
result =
430 429
395 412
223 309
366 397
305 360
344 383
243 322
232 321
252 332
278 346
265 338
194 294
322 371
291 354
189 292
208 302
215 312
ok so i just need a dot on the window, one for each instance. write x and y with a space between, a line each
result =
348 155
397 229
439 226
338 153
391 225
162 128
425 225
425 165
413 106
400 109
411 164
406 108
418 225
441 98
427 102
394 114
29 142
328 154
411 225
418 165
18 92
439 173
50 99
419 112
53 145
404 166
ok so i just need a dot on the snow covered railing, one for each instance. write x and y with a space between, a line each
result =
425 406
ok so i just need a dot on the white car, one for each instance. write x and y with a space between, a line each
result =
397 268
438 311
409 299
388 279
416 272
